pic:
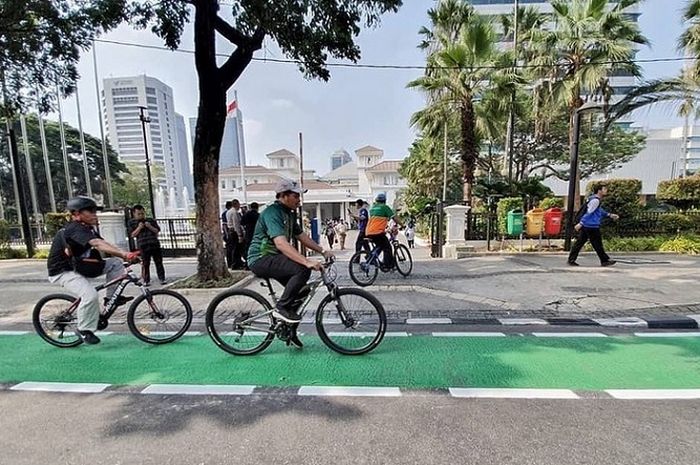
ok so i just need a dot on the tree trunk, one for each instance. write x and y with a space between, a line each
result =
470 152
210 129
575 103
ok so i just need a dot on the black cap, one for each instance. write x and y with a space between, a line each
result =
77 204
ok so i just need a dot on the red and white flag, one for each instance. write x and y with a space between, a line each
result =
231 107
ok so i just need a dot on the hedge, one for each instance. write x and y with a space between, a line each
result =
682 193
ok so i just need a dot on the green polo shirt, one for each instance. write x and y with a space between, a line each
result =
276 220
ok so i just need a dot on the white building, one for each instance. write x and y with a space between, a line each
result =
620 82
663 158
122 98
329 196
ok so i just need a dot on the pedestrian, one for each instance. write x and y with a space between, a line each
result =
341 230
410 235
362 216
234 243
588 227
145 231
75 256
248 221
330 234
224 224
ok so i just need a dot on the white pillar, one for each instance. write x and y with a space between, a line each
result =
113 229
456 223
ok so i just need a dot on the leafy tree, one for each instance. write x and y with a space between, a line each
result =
133 186
93 149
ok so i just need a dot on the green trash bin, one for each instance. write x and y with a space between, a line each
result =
515 222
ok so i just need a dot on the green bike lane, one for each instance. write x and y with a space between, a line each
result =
414 362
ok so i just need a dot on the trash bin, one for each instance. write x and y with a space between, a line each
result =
535 222
315 231
515 223
552 221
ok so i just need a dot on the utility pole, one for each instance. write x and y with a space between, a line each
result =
510 132
145 119
105 158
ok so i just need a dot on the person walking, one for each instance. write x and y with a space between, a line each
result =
330 234
234 243
341 230
75 256
362 216
410 235
589 228
145 231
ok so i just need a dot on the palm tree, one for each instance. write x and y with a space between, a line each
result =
591 40
461 63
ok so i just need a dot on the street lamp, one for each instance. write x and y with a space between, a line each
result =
573 168
145 119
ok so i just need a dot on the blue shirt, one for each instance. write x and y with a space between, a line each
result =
363 217
594 214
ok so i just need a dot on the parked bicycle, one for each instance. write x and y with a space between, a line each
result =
348 320
364 266
156 316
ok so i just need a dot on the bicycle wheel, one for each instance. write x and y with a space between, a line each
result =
403 260
56 321
159 317
362 271
239 321
351 323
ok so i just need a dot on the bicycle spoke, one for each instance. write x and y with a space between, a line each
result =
240 324
160 317
352 322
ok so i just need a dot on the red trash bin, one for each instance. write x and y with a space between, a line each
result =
552 221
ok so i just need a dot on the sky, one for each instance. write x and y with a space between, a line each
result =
357 107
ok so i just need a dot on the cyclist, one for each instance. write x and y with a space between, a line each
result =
379 216
75 253
272 256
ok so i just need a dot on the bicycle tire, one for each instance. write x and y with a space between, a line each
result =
333 339
218 336
166 332
403 260
362 272
42 304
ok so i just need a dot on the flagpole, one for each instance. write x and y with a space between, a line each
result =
47 166
241 147
105 158
30 173
82 144
69 184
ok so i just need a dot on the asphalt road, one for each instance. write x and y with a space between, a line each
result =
285 429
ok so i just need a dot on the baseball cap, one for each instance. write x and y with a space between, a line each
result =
287 185
381 197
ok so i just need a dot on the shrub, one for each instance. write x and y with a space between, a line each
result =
41 254
634 244
9 252
676 222
682 244
4 233
682 192
551 202
55 221
504 206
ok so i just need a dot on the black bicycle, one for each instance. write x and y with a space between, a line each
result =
156 316
365 265
348 320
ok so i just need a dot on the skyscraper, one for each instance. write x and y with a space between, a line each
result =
233 144
185 163
339 158
122 98
620 81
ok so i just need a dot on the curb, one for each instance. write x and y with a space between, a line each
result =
350 391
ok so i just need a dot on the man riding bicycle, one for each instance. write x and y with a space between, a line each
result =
379 216
272 256
74 256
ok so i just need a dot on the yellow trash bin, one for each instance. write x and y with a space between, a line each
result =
535 222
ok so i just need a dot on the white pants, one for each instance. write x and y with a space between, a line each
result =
75 283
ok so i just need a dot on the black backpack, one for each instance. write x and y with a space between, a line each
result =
90 266
581 211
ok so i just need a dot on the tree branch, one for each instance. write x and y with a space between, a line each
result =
555 172
240 58
232 34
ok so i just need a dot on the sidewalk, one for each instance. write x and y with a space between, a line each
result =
498 286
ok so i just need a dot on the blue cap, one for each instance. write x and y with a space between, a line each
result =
381 197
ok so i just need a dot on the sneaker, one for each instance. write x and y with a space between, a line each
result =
608 263
572 263
121 300
88 337
146 284
286 315
295 341
163 282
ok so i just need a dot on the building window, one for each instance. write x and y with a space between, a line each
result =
150 91
124 91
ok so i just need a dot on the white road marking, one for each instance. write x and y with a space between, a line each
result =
654 394
569 334
469 334
512 393
349 391
89 388
428 321
199 389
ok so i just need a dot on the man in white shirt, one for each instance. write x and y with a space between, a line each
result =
234 241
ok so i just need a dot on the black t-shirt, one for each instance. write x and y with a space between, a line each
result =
77 236
249 220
